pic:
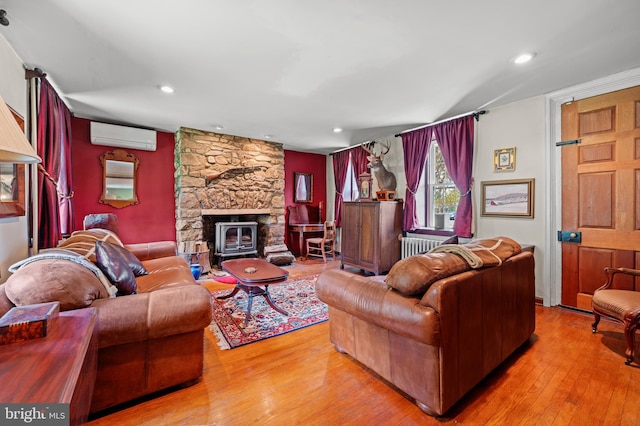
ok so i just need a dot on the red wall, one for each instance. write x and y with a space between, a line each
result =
153 219
304 162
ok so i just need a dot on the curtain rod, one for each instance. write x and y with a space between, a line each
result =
350 147
476 115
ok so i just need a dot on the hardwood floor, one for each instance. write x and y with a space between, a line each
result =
565 375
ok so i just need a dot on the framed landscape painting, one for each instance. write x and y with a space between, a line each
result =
508 198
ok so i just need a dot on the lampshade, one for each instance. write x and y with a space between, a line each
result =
14 146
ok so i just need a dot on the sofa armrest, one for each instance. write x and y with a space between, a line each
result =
153 250
369 299
164 312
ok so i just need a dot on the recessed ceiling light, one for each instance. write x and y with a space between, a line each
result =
218 127
167 89
268 136
524 58
337 130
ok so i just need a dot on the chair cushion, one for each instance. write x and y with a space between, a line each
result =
619 304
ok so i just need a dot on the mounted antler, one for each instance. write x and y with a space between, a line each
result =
386 179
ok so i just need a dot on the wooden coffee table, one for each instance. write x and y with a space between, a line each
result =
251 274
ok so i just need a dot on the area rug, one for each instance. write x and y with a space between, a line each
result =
295 296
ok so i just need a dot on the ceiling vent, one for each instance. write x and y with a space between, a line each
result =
122 136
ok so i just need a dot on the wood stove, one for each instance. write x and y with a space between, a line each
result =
236 239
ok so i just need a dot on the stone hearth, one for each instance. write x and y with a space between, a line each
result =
220 177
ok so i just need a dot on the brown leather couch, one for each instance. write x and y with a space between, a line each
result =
148 341
434 327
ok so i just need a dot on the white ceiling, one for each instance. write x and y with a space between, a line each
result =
296 69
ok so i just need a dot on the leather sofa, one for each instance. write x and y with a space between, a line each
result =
148 341
435 326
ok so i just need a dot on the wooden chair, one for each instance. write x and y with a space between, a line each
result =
321 247
620 305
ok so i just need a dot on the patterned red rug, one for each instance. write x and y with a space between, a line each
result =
295 296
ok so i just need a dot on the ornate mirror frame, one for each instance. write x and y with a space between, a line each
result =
302 187
16 205
110 171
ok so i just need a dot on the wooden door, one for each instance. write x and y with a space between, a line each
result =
600 192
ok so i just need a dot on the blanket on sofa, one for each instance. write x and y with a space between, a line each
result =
482 253
84 242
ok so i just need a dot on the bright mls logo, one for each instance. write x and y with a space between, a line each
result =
34 414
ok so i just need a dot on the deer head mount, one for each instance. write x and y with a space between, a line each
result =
386 179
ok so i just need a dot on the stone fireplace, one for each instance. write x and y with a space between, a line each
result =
223 178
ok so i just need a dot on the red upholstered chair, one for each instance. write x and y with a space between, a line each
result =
620 305
323 246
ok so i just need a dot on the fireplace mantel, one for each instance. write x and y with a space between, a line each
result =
233 212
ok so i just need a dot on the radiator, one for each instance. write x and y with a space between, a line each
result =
411 246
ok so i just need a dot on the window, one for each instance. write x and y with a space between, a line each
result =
350 190
437 197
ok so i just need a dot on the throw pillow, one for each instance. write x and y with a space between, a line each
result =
451 240
48 280
116 268
414 275
131 259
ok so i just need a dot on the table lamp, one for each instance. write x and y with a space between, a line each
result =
14 146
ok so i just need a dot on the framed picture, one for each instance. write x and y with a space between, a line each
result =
364 186
303 187
508 198
504 159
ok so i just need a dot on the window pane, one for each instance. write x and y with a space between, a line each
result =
350 190
441 193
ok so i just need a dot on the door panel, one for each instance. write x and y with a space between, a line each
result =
600 183
368 235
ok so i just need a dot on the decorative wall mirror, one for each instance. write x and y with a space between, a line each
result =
12 186
119 188
303 187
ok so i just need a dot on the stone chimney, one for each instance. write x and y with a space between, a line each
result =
230 177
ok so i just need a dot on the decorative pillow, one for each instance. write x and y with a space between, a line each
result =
49 280
415 274
451 240
116 268
134 263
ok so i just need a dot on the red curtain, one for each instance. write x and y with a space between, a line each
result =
359 161
455 139
415 146
340 166
55 212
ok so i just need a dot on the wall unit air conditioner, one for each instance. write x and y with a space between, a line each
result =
122 136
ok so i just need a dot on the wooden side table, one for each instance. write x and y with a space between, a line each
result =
58 368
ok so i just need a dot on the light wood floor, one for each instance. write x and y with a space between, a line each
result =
565 375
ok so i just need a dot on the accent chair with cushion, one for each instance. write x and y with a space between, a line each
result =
151 312
620 305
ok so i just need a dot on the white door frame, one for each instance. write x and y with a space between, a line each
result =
552 279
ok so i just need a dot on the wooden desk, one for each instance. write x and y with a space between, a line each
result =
301 229
58 368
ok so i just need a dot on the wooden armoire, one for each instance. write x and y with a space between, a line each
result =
370 235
